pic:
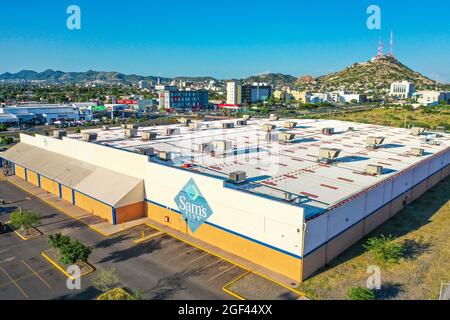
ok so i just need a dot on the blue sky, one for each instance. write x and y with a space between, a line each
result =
224 39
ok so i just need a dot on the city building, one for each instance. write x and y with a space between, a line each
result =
143 84
430 98
301 96
344 97
234 93
255 92
40 113
288 195
183 100
402 90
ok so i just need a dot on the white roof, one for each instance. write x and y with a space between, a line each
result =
274 169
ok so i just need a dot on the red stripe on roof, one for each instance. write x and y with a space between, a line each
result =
309 194
328 186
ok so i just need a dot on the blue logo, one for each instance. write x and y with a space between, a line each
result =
193 206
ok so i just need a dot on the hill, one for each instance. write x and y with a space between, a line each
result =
276 79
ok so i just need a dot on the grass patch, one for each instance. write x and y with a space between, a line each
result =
423 229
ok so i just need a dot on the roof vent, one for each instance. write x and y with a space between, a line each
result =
228 125
105 128
328 131
273 117
374 142
145 151
206 147
149 135
59 134
221 146
241 122
165 155
172 131
184 121
286 137
195 125
268 127
89 136
130 133
351 129
417 131
290 124
328 155
418 152
374 170
238 177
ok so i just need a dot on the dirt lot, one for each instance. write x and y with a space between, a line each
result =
424 227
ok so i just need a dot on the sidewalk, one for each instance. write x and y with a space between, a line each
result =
95 223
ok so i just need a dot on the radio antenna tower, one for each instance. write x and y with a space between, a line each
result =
391 52
380 49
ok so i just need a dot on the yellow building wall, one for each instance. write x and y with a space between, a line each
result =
130 212
259 254
50 186
66 193
93 206
32 177
20 171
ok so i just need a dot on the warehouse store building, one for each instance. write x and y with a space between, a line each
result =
289 195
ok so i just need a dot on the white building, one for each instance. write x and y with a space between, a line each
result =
402 90
143 84
233 92
429 97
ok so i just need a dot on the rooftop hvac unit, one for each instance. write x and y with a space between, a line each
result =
149 135
195 125
172 131
105 128
123 125
241 122
132 126
268 127
58 134
221 146
328 155
290 124
286 137
328 131
165 155
273 117
418 152
228 125
145 151
238 177
206 147
351 129
89 136
130 133
440 129
417 131
374 142
374 170
246 117
271 136
184 121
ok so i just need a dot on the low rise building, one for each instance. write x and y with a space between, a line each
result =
182 100
402 90
429 98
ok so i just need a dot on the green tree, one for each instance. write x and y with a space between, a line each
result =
74 252
3 127
24 220
360 293
384 249
106 280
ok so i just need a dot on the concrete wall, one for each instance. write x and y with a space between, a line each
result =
130 212
94 206
66 193
50 185
19 171
32 177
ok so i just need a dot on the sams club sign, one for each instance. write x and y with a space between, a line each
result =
192 205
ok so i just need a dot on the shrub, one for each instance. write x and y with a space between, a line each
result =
106 280
116 294
69 251
360 293
24 220
384 249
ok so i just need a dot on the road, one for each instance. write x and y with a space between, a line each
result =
163 268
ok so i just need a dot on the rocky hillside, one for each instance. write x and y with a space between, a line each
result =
372 75
276 79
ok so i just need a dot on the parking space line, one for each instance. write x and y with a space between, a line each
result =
220 273
183 253
25 277
215 262
198 258
36 274
15 283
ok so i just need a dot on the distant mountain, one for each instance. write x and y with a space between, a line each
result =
375 75
76 77
276 79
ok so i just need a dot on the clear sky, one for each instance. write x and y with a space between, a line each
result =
224 39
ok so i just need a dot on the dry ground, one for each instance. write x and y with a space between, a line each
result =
424 227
